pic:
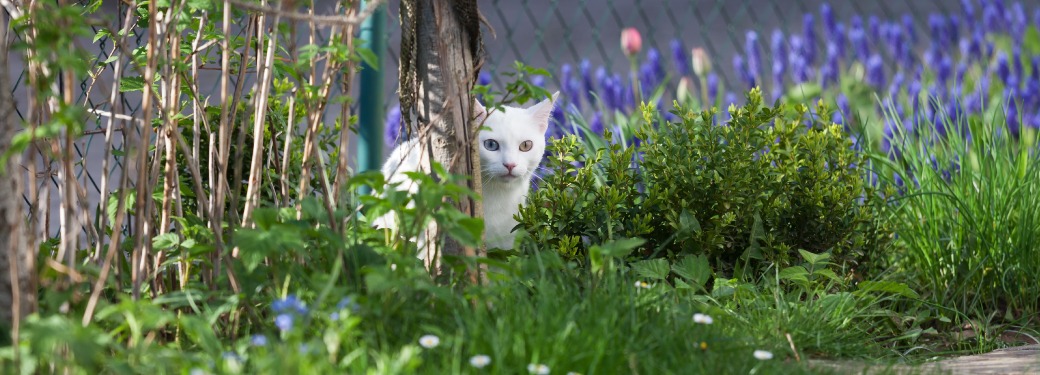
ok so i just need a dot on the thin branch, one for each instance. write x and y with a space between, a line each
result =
314 19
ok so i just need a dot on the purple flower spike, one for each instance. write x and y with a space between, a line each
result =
856 21
1016 60
860 45
741 68
829 23
682 63
809 33
992 19
484 79
654 58
875 71
777 45
829 71
596 125
874 27
573 90
1018 23
937 27
839 40
945 71
754 57
953 29
713 87
538 81
1003 70
392 126
969 10
897 84
585 68
565 72
911 32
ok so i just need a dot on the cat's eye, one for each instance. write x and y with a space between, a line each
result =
526 146
492 145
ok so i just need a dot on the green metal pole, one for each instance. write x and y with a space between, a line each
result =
370 112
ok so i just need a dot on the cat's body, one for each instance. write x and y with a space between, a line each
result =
509 155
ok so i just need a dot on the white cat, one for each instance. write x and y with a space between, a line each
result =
509 154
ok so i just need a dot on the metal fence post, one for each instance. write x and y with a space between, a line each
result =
370 102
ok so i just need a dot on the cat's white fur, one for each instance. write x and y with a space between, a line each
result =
504 190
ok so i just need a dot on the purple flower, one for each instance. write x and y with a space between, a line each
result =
860 46
596 125
1018 23
647 78
799 67
573 88
829 23
754 57
682 64
969 10
289 302
945 71
1003 70
937 26
601 80
975 50
874 26
731 99
908 26
654 58
856 21
284 322
829 71
558 125
565 72
875 72
484 79
742 71
809 33
897 84
992 19
953 29
1016 60
713 86
586 81
839 40
392 126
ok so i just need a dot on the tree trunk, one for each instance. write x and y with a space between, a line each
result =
447 36
17 293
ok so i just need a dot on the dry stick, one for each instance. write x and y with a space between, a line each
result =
143 190
112 250
311 18
239 149
172 183
255 177
796 357
216 206
344 131
290 131
198 111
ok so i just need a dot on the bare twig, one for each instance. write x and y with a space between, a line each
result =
255 177
311 18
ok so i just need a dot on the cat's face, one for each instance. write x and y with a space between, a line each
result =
513 148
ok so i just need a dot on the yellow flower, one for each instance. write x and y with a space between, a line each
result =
704 346
642 284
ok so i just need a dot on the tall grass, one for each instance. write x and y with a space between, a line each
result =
968 217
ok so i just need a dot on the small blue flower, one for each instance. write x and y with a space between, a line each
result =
538 81
304 348
290 301
231 356
334 316
348 302
284 322
258 340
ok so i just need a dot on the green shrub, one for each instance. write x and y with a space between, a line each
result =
741 193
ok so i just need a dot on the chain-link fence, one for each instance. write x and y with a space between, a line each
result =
540 33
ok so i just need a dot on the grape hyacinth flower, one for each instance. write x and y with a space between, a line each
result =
969 13
653 57
586 80
754 57
573 87
742 71
596 125
937 26
1003 69
392 126
829 23
829 72
682 64
991 19
797 61
874 27
809 33
875 72
713 87
1018 23
953 29
897 85
538 81
1016 60
860 45
911 31
839 40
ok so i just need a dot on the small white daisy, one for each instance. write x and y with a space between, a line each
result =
573 373
701 318
763 355
538 369
642 284
393 266
479 361
429 341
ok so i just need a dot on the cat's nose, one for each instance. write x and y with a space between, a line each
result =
510 166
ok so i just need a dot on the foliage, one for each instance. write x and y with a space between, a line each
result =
738 193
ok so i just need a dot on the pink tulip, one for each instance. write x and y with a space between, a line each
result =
631 42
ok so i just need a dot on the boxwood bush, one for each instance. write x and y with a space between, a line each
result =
748 192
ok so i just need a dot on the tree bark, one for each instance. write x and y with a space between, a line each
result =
447 35
17 291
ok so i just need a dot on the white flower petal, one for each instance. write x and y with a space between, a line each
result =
703 319
479 361
763 355
429 341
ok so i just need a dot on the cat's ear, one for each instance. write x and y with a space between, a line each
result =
541 111
480 113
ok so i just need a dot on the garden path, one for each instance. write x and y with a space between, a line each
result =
1019 360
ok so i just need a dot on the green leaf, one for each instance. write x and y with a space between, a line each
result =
128 84
621 248
826 272
694 268
656 269
803 93
368 57
793 272
201 333
265 217
103 33
754 250
165 241
688 222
